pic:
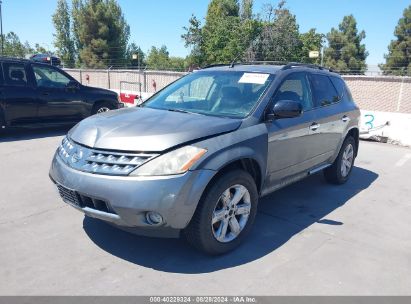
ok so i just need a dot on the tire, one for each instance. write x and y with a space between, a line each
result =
2 121
101 107
202 233
335 174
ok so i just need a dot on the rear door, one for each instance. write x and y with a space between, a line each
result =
329 111
289 140
57 101
19 98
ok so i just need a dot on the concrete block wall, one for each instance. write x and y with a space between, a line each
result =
384 94
380 93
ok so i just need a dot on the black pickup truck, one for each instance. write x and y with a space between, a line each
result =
34 94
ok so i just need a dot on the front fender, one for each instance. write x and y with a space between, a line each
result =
250 142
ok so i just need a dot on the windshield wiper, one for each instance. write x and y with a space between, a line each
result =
178 110
183 111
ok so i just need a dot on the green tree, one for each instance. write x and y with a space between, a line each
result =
13 47
345 52
158 58
311 41
280 37
222 39
193 38
246 10
134 50
76 8
398 60
178 64
62 37
39 49
101 33
225 35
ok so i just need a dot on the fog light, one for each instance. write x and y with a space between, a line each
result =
154 218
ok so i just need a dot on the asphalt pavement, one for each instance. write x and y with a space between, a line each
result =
310 238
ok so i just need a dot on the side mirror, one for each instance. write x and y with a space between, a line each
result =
73 85
285 109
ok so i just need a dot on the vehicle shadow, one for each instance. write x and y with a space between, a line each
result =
281 215
27 134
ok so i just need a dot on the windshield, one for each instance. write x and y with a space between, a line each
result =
216 93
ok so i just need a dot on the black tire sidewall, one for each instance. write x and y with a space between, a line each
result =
340 178
206 240
100 105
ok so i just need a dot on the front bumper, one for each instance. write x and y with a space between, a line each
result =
175 197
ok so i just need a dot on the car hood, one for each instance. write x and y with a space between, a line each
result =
147 130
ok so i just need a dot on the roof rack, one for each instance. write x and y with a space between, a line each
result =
232 64
305 65
215 65
286 65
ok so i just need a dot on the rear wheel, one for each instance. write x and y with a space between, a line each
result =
340 170
102 107
225 214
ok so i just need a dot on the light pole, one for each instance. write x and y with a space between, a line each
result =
1 29
137 56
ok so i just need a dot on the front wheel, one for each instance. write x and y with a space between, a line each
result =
341 169
225 214
102 107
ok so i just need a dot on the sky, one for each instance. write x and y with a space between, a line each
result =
161 22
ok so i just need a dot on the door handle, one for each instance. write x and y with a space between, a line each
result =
45 93
314 126
345 118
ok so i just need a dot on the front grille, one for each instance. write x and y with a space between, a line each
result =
69 196
98 161
83 201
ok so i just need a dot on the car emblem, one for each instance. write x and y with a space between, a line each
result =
77 156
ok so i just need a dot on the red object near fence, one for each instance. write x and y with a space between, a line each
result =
128 98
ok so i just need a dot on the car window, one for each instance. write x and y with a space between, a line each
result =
324 91
216 93
197 90
296 88
341 88
15 74
49 78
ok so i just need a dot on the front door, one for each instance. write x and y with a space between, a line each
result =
58 102
289 141
19 98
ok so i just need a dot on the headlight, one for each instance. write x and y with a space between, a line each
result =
174 162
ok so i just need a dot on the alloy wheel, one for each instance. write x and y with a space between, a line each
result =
103 109
231 213
347 160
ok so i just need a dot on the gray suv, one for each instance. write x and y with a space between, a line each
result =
195 158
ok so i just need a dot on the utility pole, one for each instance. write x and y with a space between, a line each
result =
1 29
323 41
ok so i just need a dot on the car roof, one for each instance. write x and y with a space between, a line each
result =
21 60
270 68
13 59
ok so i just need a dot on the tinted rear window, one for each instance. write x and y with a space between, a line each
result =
324 90
14 74
343 92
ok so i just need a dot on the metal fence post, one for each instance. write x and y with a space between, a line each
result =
108 78
399 100
81 76
145 81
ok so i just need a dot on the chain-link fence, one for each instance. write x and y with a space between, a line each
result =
150 81
375 93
